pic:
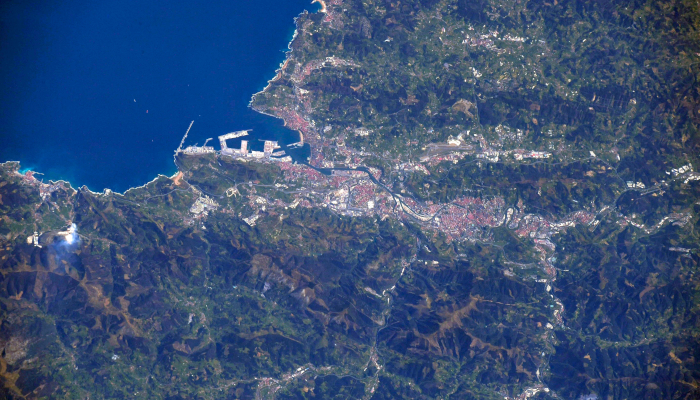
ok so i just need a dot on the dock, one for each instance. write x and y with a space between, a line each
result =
232 135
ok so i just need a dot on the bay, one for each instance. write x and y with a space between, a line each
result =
101 93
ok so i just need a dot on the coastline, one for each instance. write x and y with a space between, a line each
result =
323 5
277 74
68 185
279 71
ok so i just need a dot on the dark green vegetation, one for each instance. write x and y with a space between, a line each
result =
630 303
201 313
212 313
618 78
158 301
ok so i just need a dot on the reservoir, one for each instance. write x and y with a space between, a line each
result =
101 93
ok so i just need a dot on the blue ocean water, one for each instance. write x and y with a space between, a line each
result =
101 93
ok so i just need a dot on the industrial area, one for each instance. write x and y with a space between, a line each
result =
271 149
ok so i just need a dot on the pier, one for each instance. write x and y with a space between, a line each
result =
179 148
232 135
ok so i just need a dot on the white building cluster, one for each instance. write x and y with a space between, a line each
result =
202 204
362 132
693 176
251 220
34 239
681 170
198 150
635 185
270 148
